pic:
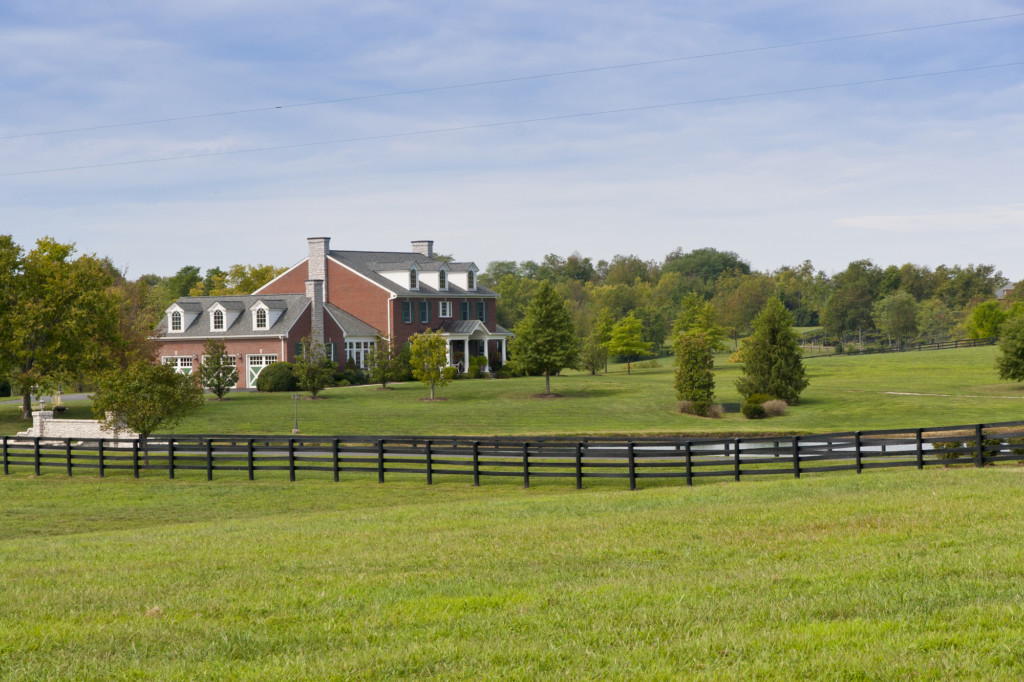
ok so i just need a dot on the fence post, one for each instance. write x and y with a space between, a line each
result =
334 458
796 456
979 456
736 455
526 465
36 454
209 459
99 450
579 465
7 466
632 465
380 460
430 464
67 455
250 459
920 449
856 446
291 459
476 463
170 456
135 457
689 463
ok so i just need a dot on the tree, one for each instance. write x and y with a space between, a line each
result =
934 319
145 396
218 370
985 320
705 264
896 315
245 279
545 339
771 356
602 333
627 340
382 362
698 315
1010 362
59 315
854 290
313 369
694 376
593 355
428 358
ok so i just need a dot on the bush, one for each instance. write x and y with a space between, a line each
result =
700 409
476 366
1016 441
948 445
774 408
716 411
354 377
759 399
276 377
753 411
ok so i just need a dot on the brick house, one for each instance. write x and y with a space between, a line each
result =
345 298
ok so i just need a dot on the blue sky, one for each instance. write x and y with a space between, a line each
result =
923 170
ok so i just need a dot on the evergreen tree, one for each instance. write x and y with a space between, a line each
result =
627 340
694 377
771 356
699 315
218 368
545 339
313 370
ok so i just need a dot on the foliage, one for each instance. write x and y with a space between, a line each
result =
593 355
774 408
984 320
627 341
145 396
1010 362
383 363
759 398
896 316
476 367
696 314
277 377
429 359
854 290
313 369
700 409
753 410
545 339
772 358
217 369
694 373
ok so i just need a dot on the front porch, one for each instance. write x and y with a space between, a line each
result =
469 339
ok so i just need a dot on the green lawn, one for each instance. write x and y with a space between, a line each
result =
887 575
845 393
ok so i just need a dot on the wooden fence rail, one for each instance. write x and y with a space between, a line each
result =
576 459
908 347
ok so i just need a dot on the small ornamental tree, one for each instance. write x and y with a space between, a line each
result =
772 363
429 360
627 340
382 362
545 339
1010 362
145 396
593 355
218 368
313 369
695 362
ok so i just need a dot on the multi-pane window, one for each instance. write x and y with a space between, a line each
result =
176 321
261 318
425 312
442 280
218 320
256 363
471 280
444 309
407 311
414 281
357 350
481 311
182 364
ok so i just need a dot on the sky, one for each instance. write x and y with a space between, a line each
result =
364 138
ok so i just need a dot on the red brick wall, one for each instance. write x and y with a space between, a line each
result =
357 296
404 330
233 346
292 282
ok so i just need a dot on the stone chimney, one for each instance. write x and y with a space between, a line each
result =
315 293
318 248
424 248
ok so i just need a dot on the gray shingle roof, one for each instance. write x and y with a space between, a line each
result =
293 306
369 263
350 324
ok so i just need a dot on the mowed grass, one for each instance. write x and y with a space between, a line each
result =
886 575
932 388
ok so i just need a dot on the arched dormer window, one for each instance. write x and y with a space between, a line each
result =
442 280
176 321
414 280
261 318
218 320
471 280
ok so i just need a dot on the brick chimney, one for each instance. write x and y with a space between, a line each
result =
315 293
424 247
318 248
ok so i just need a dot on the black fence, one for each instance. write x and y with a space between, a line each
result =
907 347
526 460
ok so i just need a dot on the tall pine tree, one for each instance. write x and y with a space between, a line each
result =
772 363
545 339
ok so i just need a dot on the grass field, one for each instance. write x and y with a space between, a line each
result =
886 575
932 388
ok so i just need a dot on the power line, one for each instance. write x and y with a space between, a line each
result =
515 79
497 124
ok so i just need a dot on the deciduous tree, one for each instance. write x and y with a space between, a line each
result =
313 369
428 358
545 339
627 340
217 370
1010 362
694 375
382 362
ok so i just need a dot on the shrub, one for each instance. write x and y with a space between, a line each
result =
943 445
716 411
647 364
476 366
774 408
354 377
344 382
758 399
753 411
700 408
276 377
1016 441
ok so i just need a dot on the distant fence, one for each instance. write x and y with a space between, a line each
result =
907 347
575 459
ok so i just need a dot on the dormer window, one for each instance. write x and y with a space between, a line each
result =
471 280
176 321
218 320
414 280
261 318
442 280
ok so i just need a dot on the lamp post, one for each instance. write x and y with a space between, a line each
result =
295 399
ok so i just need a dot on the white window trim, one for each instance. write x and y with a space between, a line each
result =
213 320
444 308
181 322
414 279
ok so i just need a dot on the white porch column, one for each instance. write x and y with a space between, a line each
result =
487 356
449 344
504 355
465 355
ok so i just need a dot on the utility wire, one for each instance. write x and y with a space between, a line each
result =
514 79
497 124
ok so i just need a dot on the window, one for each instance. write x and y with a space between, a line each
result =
471 280
182 364
176 321
464 310
261 318
414 281
442 281
481 311
357 350
444 309
218 320
407 311
425 312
